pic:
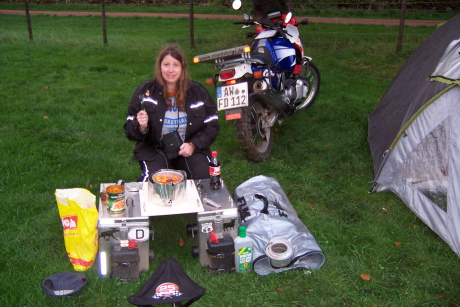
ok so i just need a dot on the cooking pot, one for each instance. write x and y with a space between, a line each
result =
170 185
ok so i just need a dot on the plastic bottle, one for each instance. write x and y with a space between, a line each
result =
243 252
214 172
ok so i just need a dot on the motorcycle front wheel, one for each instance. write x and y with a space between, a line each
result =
255 137
312 81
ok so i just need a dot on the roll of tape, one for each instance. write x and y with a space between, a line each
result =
280 252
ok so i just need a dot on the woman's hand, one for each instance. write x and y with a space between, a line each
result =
186 149
142 119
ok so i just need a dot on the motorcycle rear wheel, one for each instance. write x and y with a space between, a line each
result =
311 77
254 137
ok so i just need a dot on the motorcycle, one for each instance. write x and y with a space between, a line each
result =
260 85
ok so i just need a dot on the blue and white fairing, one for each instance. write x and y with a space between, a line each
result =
280 49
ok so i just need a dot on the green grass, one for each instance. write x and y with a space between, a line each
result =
64 98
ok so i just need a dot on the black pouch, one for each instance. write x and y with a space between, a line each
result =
221 255
171 144
125 263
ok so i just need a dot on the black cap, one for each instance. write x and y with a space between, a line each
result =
64 284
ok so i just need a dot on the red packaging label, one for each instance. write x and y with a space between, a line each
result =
214 171
69 222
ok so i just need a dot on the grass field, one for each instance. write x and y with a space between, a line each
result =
64 97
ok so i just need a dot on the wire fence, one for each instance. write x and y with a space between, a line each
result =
317 35
376 5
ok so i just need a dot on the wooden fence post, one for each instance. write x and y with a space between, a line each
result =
104 26
192 30
401 27
29 24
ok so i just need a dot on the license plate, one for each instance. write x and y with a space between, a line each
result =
232 96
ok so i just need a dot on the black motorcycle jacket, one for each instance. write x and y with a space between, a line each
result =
202 120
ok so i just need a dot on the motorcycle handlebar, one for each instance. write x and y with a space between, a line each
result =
246 22
302 22
267 23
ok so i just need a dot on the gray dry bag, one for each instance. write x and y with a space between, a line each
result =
280 240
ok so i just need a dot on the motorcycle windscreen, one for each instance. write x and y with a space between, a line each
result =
261 8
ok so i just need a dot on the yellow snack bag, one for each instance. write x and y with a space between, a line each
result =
79 216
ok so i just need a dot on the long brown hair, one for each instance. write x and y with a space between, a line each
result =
182 84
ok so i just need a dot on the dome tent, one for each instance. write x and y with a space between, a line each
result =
414 135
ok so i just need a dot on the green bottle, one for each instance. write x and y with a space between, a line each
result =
243 252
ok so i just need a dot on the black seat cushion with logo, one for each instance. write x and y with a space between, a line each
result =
169 284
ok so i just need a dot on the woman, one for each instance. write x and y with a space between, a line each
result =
168 103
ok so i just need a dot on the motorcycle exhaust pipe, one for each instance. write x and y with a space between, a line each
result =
279 101
259 86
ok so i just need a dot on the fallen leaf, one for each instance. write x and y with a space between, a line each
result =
397 243
46 117
90 186
181 242
45 87
365 276
83 112
441 296
415 227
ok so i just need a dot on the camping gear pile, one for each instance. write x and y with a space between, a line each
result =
280 241
414 134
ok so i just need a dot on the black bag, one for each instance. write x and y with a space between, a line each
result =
125 263
221 255
171 144
169 284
